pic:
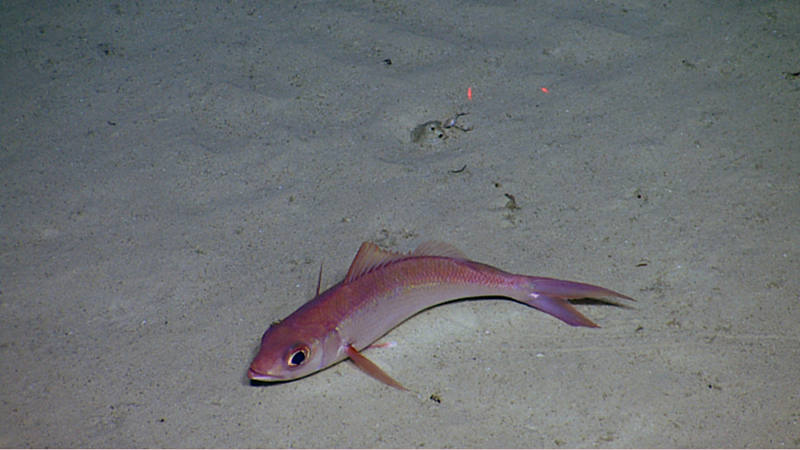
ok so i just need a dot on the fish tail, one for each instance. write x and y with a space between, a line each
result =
551 296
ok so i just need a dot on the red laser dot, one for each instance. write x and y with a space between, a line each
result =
545 90
469 93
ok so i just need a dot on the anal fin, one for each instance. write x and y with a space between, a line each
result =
371 369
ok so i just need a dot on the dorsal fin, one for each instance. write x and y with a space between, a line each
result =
369 257
319 278
436 248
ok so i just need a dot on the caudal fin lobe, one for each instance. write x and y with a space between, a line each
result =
550 295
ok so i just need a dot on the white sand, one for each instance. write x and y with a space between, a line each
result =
172 176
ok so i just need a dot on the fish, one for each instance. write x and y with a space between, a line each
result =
382 289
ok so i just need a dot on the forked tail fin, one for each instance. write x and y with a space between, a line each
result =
550 295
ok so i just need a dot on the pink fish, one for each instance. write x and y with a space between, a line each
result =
384 288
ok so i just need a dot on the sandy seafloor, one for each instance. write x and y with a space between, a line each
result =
173 175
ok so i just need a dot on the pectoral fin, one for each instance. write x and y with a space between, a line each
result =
371 369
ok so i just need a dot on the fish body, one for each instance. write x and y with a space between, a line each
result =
383 289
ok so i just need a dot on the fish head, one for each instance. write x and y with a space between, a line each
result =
287 353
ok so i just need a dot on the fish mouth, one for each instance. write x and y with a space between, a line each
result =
255 376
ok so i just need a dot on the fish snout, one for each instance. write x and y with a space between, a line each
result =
255 375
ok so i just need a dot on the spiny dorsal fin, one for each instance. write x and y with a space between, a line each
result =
435 248
370 256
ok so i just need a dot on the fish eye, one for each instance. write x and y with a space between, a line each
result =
298 356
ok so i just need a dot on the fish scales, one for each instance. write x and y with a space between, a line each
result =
383 299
